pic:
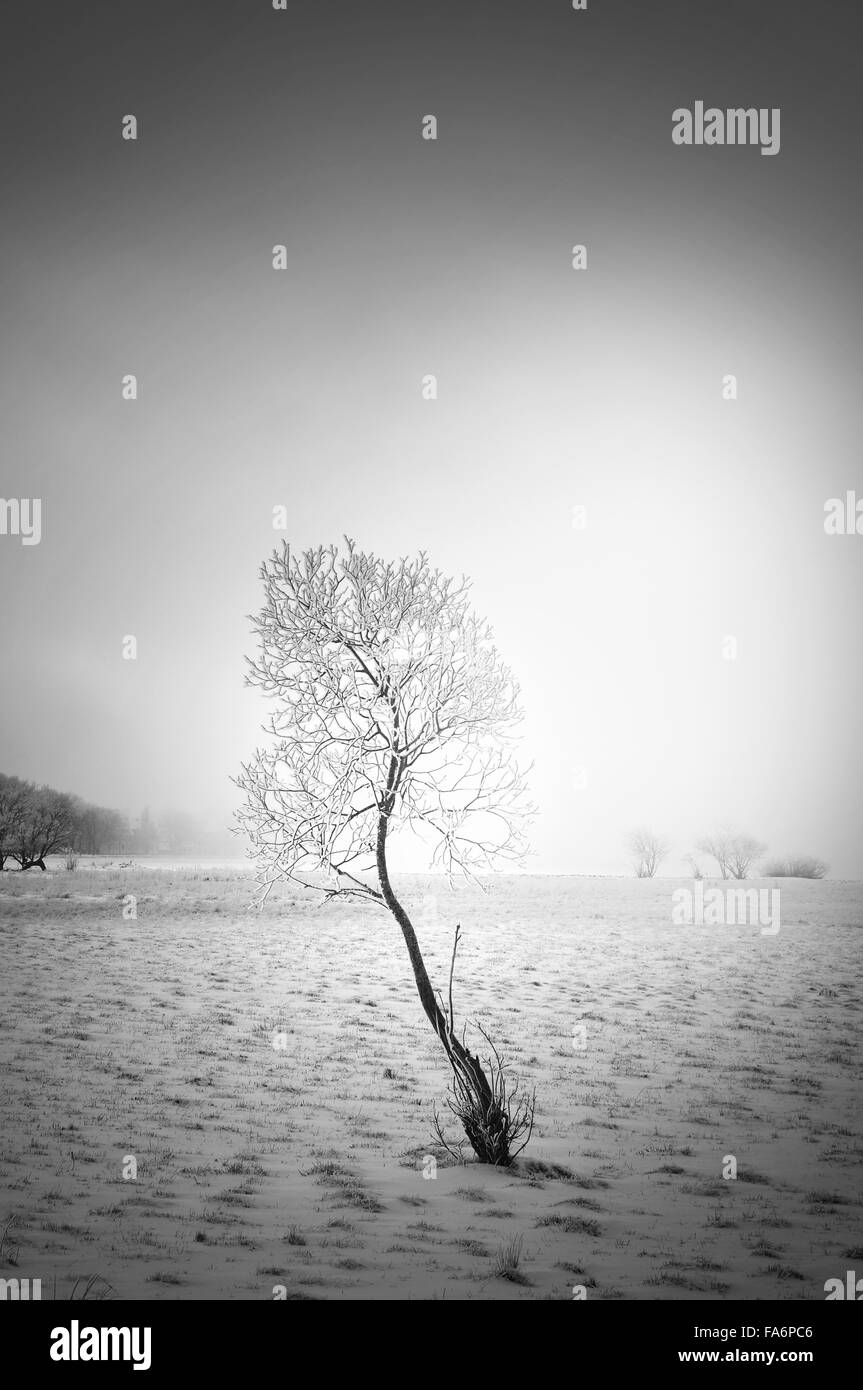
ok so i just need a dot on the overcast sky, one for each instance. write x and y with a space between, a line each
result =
557 388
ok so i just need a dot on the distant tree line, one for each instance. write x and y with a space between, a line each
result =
36 821
734 853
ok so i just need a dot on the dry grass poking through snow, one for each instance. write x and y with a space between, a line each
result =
303 1167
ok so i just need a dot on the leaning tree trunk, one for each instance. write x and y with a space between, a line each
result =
481 1105
492 1119
458 1055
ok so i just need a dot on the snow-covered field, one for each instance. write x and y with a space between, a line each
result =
272 1076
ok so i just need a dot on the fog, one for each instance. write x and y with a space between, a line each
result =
557 389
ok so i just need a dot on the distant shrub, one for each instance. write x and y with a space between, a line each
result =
697 871
797 866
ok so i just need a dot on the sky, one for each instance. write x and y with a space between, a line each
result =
558 388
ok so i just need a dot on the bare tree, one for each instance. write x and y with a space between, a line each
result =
745 851
47 826
15 797
394 710
96 828
89 829
734 853
718 847
648 851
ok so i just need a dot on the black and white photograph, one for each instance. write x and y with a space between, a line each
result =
431 562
